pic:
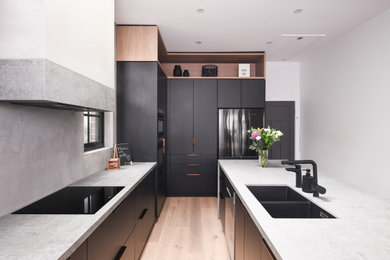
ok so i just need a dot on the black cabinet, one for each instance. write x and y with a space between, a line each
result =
205 117
246 93
124 233
144 214
281 115
253 93
239 230
181 118
192 127
142 116
137 84
80 253
248 241
229 93
107 240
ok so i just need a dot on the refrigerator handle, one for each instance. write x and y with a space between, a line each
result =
244 127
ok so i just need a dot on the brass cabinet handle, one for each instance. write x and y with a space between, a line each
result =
193 174
163 148
193 154
193 140
193 164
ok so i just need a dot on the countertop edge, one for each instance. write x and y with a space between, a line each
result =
125 192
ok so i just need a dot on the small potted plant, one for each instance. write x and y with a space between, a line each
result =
262 141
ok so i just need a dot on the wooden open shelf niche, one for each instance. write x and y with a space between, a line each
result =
144 43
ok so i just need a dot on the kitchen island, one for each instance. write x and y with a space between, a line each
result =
361 229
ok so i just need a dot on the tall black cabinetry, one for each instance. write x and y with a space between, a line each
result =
192 128
142 116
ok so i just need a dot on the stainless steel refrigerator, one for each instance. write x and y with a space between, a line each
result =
233 141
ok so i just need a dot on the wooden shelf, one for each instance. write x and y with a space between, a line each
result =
144 43
172 77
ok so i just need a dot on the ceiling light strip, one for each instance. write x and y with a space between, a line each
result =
303 35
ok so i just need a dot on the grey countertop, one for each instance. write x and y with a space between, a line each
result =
58 236
361 229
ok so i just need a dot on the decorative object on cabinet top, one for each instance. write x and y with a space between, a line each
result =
177 72
186 73
209 71
114 163
124 153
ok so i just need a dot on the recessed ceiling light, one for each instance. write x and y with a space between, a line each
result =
200 11
303 35
269 42
198 42
298 11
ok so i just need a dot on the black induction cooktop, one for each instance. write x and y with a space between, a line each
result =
72 200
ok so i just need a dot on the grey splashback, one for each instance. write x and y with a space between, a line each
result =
45 83
41 151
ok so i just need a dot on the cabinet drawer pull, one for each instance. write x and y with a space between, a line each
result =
193 164
193 174
120 253
143 214
193 155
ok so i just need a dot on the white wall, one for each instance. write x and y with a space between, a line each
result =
80 37
345 106
22 29
283 84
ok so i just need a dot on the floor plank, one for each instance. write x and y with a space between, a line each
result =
188 229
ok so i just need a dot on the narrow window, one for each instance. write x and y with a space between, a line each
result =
93 130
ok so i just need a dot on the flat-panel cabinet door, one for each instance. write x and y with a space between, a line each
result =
80 253
239 242
205 116
229 93
253 93
129 253
266 252
107 240
181 107
253 240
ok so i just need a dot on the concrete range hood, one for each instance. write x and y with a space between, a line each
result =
40 82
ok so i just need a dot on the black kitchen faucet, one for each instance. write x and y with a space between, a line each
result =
317 189
298 175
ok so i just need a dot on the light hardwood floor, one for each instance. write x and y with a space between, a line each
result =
188 229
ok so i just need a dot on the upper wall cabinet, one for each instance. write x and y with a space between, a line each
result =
229 93
233 93
253 93
138 43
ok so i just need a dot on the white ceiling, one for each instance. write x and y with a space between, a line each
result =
246 25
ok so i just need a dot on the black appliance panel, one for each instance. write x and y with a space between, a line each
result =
72 200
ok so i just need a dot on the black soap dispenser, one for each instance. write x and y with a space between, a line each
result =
307 182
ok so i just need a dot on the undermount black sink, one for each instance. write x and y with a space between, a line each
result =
284 202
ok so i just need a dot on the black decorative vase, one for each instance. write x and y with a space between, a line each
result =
186 73
177 72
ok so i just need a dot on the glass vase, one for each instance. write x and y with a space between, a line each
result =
263 158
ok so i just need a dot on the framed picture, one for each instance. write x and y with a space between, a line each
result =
244 70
